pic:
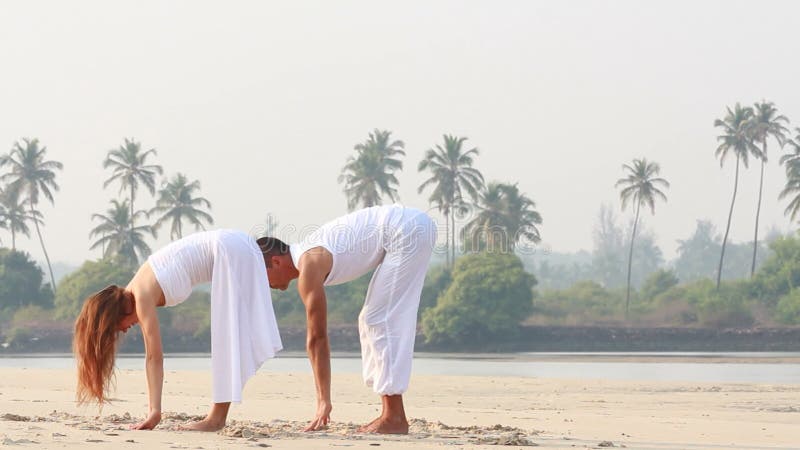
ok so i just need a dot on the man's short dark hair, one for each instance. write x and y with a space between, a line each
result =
271 246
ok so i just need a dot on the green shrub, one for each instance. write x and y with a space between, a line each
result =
437 281
657 283
727 306
21 281
583 302
788 308
491 294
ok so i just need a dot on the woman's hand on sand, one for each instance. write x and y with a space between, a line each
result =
322 418
152 420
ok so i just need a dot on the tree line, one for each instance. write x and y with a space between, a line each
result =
500 217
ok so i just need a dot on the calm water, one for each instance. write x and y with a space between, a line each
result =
540 365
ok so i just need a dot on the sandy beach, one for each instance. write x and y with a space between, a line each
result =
38 411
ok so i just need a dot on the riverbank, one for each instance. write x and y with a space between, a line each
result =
529 339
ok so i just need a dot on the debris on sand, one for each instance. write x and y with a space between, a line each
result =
114 418
9 441
515 439
15 417
434 432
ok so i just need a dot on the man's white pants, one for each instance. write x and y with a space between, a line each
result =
388 322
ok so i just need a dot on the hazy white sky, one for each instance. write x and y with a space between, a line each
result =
263 101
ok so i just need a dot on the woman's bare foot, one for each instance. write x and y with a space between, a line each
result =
383 425
206 424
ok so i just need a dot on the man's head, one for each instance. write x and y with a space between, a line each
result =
280 267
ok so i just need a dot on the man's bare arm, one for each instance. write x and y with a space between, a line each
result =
315 267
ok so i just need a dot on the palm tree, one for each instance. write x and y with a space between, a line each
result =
641 186
3 223
370 174
30 176
505 217
15 217
452 175
792 188
118 237
129 167
177 202
736 138
488 226
791 161
522 216
765 123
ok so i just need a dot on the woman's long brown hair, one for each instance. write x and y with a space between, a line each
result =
95 343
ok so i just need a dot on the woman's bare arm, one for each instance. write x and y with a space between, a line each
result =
148 295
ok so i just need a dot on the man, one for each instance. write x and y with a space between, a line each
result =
397 243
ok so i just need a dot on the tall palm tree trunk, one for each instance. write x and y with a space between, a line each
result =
630 260
447 240
44 250
453 234
132 194
758 212
728 226
13 239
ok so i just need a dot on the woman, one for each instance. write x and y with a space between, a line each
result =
244 332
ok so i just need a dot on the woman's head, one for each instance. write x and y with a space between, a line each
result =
97 328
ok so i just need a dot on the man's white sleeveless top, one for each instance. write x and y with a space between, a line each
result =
357 241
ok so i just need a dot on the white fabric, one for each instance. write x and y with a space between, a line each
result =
356 241
244 332
185 263
398 243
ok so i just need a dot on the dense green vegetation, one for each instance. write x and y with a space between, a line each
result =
489 294
485 296
21 282
770 298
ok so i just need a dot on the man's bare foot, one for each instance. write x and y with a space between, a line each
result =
363 428
214 421
383 425
204 425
